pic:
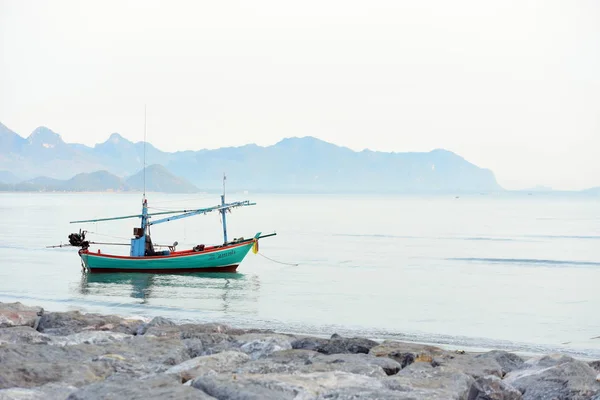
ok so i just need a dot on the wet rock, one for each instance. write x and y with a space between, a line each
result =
263 346
22 334
48 391
507 361
555 377
17 314
226 361
308 343
493 388
283 386
595 365
67 323
340 345
424 381
156 387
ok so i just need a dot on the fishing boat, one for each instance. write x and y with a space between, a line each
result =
144 256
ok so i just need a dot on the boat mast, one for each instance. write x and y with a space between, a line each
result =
138 244
144 173
224 211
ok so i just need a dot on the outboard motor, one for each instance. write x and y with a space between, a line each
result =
78 240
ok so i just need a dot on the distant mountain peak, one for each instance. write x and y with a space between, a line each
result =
116 138
300 139
44 137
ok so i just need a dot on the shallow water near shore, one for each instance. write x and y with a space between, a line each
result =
508 272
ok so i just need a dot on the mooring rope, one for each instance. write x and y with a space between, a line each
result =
278 262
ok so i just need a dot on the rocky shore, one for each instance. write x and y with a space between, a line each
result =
70 355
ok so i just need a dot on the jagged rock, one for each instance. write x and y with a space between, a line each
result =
30 374
281 387
282 362
407 353
67 323
22 334
493 388
340 345
427 382
136 356
308 361
507 361
17 314
157 353
262 346
89 337
156 325
470 365
202 344
48 391
226 361
189 330
308 343
555 377
388 366
195 347
156 387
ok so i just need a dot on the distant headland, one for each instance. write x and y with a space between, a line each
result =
44 162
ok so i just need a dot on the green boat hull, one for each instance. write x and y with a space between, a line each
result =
218 259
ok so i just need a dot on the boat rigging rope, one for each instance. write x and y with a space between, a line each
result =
278 262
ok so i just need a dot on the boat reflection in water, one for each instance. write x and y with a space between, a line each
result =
202 291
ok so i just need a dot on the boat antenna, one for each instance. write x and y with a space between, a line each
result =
144 173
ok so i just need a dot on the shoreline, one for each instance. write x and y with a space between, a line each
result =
78 355
471 344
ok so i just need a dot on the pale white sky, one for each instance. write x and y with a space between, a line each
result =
513 86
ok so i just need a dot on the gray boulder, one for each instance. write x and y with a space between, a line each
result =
407 353
48 391
341 345
155 324
427 382
307 361
226 361
17 314
507 361
308 343
30 374
477 367
555 377
261 346
493 388
23 335
67 323
283 386
89 337
156 387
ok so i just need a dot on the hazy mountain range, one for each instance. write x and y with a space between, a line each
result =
43 161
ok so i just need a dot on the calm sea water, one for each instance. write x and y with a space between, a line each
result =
518 273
